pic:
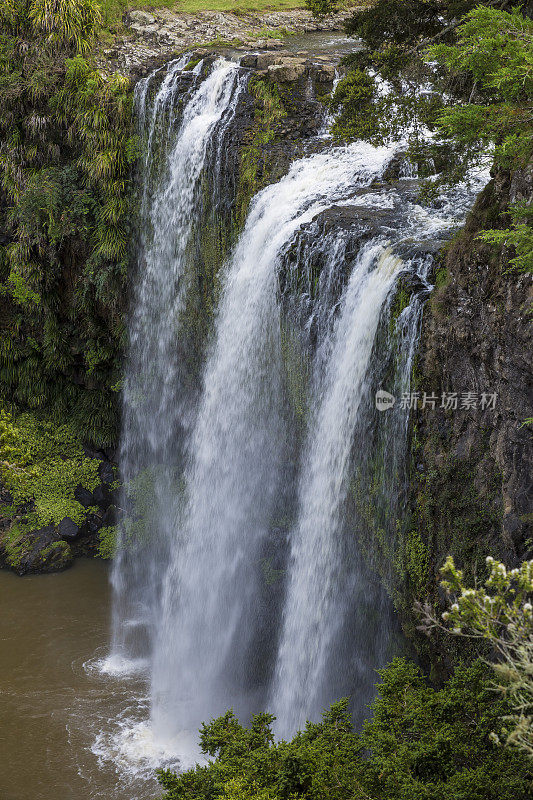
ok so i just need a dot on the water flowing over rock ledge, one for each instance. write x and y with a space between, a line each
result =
155 36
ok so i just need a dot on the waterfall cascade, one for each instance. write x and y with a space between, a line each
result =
157 406
246 585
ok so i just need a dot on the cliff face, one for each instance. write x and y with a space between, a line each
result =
472 466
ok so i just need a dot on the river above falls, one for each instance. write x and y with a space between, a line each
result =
62 719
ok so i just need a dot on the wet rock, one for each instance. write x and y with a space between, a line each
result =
288 70
324 74
396 167
102 496
106 473
265 60
40 552
84 496
91 526
110 517
249 60
90 452
67 529
366 221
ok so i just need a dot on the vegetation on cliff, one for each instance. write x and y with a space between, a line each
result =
65 161
41 466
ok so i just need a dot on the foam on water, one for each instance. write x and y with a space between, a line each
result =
116 666
135 750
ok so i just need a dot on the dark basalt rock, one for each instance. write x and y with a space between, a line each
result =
42 552
106 472
91 526
84 496
472 493
67 529
110 517
102 496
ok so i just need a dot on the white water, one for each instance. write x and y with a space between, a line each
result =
312 606
157 409
209 611
191 611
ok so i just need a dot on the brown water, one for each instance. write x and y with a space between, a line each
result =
67 731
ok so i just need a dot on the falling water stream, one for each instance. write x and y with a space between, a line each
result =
156 401
222 462
247 573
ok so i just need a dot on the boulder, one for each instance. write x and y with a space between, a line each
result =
265 60
106 472
141 18
288 70
84 496
38 551
67 529
90 526
102 497
110 517
324 74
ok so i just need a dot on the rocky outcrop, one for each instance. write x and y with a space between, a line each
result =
40 551
471 490
159 34
52 548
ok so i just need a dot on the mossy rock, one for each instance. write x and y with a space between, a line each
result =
37 552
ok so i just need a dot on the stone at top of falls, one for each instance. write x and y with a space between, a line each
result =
141 18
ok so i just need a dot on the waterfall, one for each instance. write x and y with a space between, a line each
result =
254 540
315 595
210 606
157 406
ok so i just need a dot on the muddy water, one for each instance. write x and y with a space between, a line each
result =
68 731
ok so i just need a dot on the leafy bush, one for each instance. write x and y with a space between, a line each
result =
478 87
421 744
500 612
40 466
107 541
495 49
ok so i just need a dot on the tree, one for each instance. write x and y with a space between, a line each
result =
420 744
66 152
498 611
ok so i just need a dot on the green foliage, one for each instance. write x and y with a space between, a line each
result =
500 612
107 542
322 8
41 464
390 30
437 744
421 744
495 48
519 236
401 300
70 22
269 111
66 150
396 22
